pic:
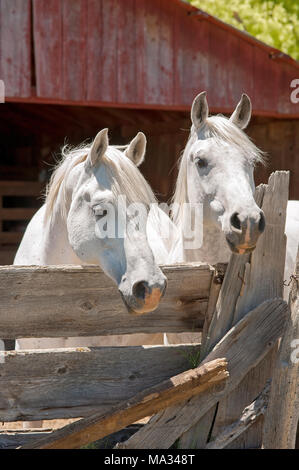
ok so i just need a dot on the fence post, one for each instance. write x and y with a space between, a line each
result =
282 416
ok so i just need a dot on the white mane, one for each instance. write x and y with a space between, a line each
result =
126 179
221 129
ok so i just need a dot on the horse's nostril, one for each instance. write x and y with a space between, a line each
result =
262 222
139 289
235 221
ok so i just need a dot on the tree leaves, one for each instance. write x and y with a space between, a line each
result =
274 22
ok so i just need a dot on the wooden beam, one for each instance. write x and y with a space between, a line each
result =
10 238
76 382
20 188
16 213
83 301
244 346
282 417
168 393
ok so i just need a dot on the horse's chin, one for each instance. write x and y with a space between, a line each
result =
240 249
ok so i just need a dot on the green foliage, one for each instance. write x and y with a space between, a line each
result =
274 22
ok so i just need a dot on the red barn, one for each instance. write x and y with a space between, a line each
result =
72 67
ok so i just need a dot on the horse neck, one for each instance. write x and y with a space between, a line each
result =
214 248
56 247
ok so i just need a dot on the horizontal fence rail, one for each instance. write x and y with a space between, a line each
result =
74 382
56 301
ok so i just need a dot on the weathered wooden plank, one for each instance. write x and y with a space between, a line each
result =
249 416
282 417
76 382
48 45
192 58
22 213
74 23
20 188
244 346
126 58
102 51
83 301
244 288
15 57
168 393
14 439
10 237
263 279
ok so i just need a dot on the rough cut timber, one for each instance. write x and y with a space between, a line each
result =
149 401
77 382
282 417
244 346
249 281
56 301
249 416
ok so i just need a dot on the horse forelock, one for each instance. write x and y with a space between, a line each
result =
125 178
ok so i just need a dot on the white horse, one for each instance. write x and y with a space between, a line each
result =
216 175
68 229
216 171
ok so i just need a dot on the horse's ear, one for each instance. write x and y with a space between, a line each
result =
242 114
136 149
98 148
199 109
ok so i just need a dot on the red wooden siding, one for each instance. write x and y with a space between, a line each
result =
142 53
15 50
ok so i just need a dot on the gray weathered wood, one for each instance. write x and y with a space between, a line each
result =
244 346
167 393
14 439
263 279
221 321
249 416
282 417
70 383
60 301
249 281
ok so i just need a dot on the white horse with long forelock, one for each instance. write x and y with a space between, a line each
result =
67 230
216 174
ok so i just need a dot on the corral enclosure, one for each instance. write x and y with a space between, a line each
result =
129 65
239 311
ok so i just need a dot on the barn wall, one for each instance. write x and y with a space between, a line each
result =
137 53
150 52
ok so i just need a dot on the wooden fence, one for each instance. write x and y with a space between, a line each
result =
240 319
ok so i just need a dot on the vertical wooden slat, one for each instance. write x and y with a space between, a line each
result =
48 43
166 52
219 67
74 15
192 72
127 52
282 416
102 51
151 51
15 58
265 72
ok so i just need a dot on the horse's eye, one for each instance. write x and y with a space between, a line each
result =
201 162
99 211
